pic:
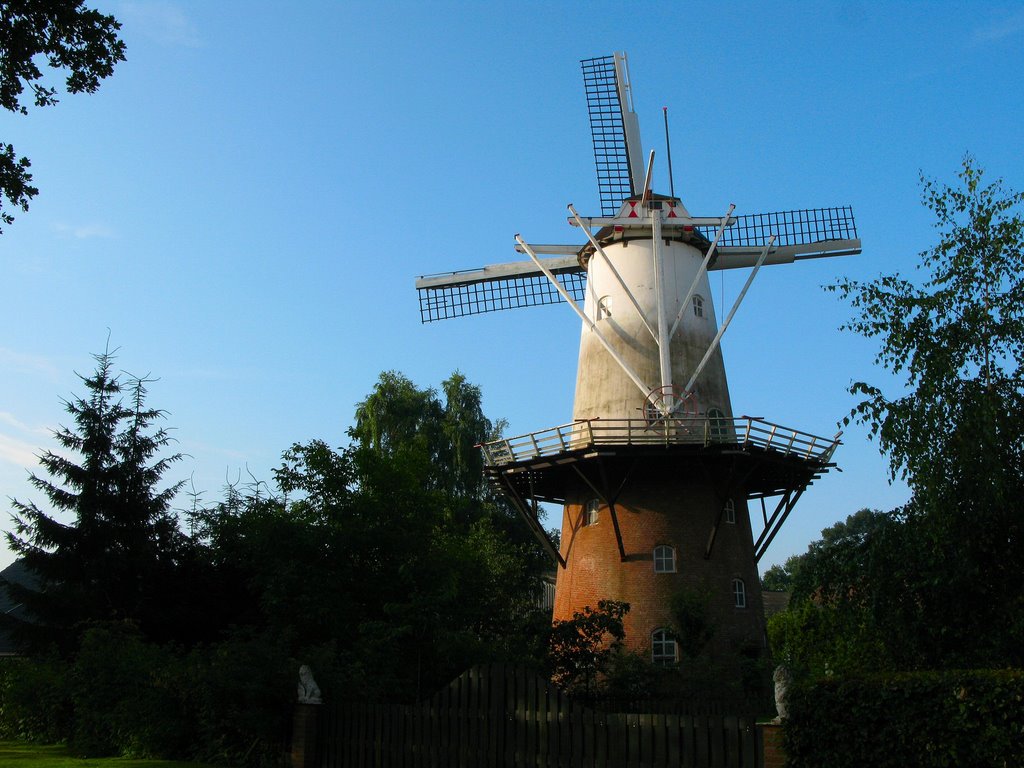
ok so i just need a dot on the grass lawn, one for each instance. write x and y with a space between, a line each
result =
17 754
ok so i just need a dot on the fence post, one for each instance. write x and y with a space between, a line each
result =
770 736
304 735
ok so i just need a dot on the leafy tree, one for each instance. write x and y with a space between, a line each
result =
69 37
840 558
831 625
400 417
779 578
954 429
956 337
117 559
388 559
582 648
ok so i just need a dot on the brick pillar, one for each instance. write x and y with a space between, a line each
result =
771 742
304 732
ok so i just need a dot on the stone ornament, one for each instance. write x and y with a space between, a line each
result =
309 691
782 680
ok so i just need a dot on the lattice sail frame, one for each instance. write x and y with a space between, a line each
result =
802 227
461 300
604 87
460 294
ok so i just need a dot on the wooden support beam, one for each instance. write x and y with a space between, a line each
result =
765 539
610 501
732 485
531 521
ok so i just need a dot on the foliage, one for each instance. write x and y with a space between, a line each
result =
116 560
386 565
946 563
818 640
581 649
391 553
34 699
398 417
836 567
70 38
779 578
854 604
238 697
957 338
126 696
121 695
694 626
925 719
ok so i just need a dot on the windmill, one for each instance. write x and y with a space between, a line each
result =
655 473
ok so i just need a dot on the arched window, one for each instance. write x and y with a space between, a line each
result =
739 593
590 512
698 305
664 559
729 511
604 307
663 647
718 426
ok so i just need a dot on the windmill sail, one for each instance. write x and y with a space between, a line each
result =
500 286
804 227
802 234
615 130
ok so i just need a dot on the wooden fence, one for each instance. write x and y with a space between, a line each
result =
495 716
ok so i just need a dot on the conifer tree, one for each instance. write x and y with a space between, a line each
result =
115 559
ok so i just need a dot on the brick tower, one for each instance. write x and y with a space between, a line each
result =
655 473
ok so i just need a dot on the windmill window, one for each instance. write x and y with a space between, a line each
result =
739 593
604 307
590 512
698 306
664 651
651 413
664 559
729 511
718 426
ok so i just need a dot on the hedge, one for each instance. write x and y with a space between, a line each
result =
954 718
229 704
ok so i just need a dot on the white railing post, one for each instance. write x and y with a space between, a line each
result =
810 447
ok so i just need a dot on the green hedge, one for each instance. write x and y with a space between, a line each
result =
969 718
35 703
229 704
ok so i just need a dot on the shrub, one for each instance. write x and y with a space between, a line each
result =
34 700
923 719
127 696
242 692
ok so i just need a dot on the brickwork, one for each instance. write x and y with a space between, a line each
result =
662 506
771 740
304 735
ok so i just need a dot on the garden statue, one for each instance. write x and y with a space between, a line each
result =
782 680
309 691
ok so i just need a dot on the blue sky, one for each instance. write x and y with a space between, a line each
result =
246 203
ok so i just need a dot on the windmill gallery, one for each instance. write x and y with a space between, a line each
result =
662 485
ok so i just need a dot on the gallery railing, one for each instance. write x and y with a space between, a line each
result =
744 431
